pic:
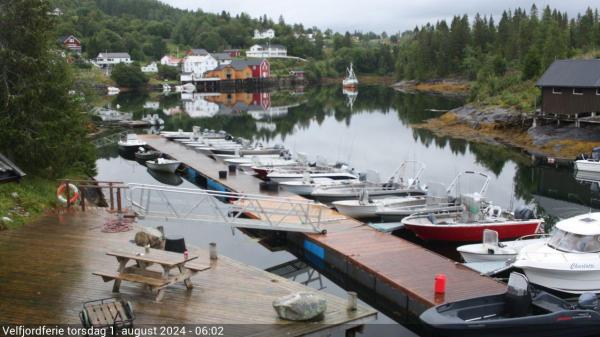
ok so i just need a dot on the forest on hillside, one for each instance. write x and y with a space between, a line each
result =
500 56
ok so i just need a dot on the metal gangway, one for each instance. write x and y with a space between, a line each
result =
109 140
239 210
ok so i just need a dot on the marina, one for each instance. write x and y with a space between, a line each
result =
359 251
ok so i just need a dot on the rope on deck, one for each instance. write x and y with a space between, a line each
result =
116 225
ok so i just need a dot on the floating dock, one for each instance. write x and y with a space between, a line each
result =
396 270
46 276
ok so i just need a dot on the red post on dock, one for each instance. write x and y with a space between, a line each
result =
440 283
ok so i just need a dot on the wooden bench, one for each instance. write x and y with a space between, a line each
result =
196 267
133 277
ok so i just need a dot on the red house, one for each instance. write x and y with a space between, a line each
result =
70 42
233 52
260 68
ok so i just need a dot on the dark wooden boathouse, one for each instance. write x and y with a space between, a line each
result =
571 89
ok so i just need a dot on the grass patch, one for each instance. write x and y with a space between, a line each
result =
24 201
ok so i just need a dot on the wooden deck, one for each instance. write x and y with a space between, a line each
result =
395 267
46 276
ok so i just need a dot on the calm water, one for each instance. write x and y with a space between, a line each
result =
372 131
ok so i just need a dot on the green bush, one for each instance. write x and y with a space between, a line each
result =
129 75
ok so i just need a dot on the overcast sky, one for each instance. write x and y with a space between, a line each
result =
372 15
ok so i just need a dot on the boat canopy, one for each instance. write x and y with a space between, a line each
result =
584 224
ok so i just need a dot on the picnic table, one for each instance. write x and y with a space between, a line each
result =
156 281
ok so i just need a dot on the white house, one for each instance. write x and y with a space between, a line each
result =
170 61
107 59
267 34
273 50
194 67
151 68
222 58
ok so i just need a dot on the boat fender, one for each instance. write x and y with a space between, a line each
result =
73 190
432 218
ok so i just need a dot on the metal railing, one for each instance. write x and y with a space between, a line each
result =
235 209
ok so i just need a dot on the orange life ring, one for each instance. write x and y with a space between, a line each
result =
72 191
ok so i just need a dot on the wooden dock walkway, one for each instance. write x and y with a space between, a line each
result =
396 269
46 276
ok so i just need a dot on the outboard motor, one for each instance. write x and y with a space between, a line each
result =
588 301
524 213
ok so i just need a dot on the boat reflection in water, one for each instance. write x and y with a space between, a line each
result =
166 177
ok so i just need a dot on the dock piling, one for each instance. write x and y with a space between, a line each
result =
212 248
352 302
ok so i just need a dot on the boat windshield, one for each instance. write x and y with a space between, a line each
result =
574 243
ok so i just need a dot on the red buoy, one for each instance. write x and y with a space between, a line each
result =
440 283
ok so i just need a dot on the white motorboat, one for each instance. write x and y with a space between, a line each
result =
365 207
493 250
439 199
166 88
131 142
397 185
591 164
163 165
336 172
306 185
111 91
570 260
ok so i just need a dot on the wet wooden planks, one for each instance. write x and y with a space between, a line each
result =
405 266
46 276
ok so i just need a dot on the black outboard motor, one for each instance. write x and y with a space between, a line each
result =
524 213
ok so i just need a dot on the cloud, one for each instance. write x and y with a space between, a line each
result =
372 15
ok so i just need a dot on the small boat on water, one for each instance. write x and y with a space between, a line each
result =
445 201
131 143
468 224
306 186
493 250
143 154
350 82
569 260
163 165
111 91
397 185
195 135
521 311
365 207
186 88
589 164
336 172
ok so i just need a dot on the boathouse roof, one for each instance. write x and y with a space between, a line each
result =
9 171
241 64
572 74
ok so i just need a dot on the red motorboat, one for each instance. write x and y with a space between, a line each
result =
442 228
467 224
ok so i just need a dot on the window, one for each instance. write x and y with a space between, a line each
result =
557 91
577 91
574 243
